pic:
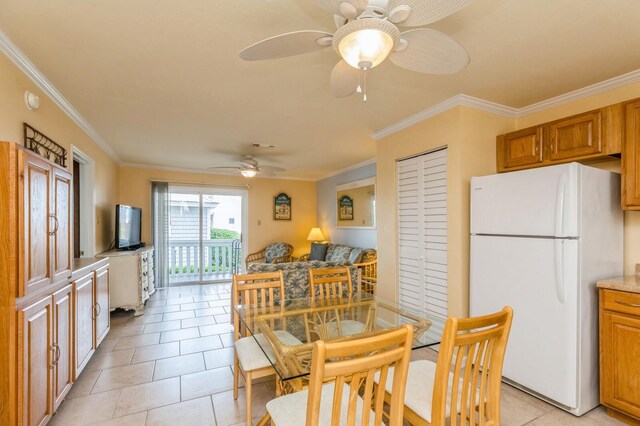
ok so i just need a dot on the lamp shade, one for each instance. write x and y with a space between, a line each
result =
315 235
365 48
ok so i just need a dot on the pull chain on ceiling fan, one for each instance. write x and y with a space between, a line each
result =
367 34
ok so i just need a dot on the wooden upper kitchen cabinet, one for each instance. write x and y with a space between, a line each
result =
587 135
619 349
631 157
521 148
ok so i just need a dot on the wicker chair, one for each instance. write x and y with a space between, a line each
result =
273 253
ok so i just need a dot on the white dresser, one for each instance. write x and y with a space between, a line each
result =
132 280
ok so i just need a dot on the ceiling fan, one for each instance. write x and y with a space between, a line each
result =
249 168
367 34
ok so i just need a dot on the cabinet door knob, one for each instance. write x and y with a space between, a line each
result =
54 361
55 224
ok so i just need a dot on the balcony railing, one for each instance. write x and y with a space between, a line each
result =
221 259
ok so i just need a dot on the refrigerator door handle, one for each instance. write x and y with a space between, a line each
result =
559 269
560 192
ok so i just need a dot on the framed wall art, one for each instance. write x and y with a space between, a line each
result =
345 208
282 207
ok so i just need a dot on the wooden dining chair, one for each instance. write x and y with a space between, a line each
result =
250 360
466 379
333 283
330 400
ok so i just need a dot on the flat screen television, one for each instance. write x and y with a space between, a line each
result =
128 229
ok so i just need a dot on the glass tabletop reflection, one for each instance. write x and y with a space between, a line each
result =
286 330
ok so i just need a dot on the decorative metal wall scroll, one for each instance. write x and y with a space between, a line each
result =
44 146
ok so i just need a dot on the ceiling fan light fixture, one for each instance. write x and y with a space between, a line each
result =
365 43
248 173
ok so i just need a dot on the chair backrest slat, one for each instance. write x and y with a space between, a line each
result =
358 362
330 283
253 289
469 370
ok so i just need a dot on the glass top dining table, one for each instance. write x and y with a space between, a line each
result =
286 330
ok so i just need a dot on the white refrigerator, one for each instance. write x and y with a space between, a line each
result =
540 239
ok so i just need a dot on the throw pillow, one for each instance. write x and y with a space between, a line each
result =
318 251
339 253
355 255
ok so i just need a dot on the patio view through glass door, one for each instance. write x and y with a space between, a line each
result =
204 234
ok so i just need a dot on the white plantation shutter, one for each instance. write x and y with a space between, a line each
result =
422 233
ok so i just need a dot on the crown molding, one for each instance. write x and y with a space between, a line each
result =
348 168
507 111
452 102
16 56
594 89
204 172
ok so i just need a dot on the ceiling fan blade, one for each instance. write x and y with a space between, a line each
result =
224 168
344 79
263 173
348 8
270 169
289 44
422 12
431 52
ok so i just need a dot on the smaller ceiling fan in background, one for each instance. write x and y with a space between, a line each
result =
367 34
249 168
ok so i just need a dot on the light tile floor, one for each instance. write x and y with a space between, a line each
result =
173 366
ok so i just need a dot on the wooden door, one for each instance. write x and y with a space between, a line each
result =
36 174
576 136
63 342
83 298
521 148
61 233
631 158
620 369
102 303
38 356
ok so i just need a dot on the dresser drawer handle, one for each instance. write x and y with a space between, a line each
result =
632 305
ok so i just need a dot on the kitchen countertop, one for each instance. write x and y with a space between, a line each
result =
85 265
630 283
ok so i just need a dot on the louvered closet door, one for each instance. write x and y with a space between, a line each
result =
422 232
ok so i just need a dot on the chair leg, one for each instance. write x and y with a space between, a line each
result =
265 419
248 382
236 372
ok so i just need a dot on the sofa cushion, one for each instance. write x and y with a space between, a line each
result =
339 253
368 255
318 251
274 250
296 274
355 255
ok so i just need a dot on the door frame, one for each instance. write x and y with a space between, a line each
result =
87 202
201 189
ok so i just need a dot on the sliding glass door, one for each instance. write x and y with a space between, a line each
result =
204 234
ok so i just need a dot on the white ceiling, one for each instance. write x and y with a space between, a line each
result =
162 83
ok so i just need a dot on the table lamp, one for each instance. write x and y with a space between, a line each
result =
315 235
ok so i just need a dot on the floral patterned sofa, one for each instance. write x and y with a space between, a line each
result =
273 253
296 274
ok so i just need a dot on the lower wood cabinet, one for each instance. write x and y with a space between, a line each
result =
619 351
102 303
63 338
84 313
38 351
